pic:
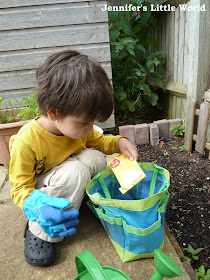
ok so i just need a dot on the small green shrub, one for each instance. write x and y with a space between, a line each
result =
192 252
178 130
182 148
30 111
202 274
133 71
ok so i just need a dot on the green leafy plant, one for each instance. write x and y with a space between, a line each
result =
192 252
31 110
182 148
202 274
133 71
7 117
178 233
178 130
1 102
204 188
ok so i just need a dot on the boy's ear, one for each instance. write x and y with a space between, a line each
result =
52 114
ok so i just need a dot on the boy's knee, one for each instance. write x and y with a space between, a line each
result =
94 160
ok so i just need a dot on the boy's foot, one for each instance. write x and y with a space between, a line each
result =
37 251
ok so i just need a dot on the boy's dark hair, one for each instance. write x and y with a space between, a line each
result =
73 83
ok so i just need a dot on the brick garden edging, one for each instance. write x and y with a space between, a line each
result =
149 133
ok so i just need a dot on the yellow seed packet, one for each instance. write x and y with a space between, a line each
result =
127 172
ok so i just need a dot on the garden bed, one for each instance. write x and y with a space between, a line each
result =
188 208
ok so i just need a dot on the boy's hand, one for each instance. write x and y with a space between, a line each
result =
128 149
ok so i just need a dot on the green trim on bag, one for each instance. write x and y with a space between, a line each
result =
127 256
161 207
137 191
130 229
100 179
113 184
133 205
157 170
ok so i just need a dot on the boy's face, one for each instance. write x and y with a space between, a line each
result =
74 126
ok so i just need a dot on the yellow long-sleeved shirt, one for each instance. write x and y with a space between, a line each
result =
34 151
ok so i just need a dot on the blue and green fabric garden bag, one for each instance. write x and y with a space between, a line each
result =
134 221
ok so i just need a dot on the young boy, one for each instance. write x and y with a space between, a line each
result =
54 156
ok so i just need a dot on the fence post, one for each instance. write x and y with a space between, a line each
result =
189 125
202 127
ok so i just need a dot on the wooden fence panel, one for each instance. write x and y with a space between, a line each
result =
23 3
202 127
33 58
26 78
30 31
54 36
51 15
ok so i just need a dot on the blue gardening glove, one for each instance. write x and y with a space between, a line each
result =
47 211
56 222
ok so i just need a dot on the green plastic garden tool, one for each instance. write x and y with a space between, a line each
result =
88 268
165 267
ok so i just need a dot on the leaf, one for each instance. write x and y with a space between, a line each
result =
126 26
119 48
139 2
160 83
159 2
153 42
136 29
141 48
120 94
9 118
114 34
130 46
139 102
190 249
156 61
138 73
114 16
187 259
152 99
1 100
127 40
154 21
198 250
26 100
150 66
130 105
145 14
131 52
146 88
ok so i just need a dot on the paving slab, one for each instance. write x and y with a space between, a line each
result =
90 236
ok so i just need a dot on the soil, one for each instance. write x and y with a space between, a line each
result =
188 207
